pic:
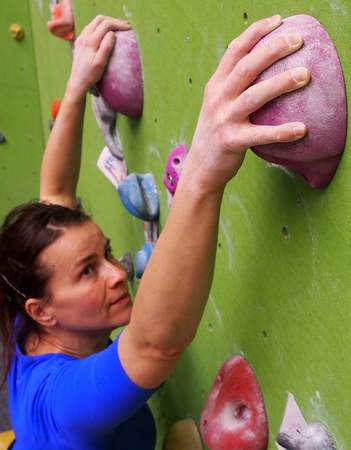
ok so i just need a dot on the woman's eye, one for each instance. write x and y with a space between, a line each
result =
88 270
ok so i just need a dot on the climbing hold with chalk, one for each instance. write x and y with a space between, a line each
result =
127 262
318 105
139 195
142 258
173 169
234 415
16 31
106 118
121 84
313 436
296 434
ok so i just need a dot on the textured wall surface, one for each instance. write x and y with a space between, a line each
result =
281 290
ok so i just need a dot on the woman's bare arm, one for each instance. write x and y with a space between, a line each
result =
175 286
62 156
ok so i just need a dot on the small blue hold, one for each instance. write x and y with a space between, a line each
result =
139 195
141 258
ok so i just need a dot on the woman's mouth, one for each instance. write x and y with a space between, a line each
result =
122 300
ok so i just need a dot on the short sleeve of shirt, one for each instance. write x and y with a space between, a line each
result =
94 394
76 403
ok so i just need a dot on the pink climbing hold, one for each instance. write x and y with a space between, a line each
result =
321 105
174 166
122 83
234 415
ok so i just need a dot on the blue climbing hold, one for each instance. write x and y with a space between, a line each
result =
139 195
142 257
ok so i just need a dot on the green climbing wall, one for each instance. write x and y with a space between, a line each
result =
281 293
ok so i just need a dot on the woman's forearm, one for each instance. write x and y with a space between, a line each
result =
175 286
62 156
176 283
61 161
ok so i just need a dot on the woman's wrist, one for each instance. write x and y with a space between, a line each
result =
75 92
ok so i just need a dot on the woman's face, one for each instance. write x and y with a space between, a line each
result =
88 287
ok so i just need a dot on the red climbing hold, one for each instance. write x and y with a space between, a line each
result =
234 416
62 20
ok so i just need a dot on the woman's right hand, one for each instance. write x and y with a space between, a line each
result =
224 131
92 50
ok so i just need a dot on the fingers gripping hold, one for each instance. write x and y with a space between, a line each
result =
105 48
241 45
288 132
261 93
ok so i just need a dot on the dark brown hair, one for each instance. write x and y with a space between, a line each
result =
26 232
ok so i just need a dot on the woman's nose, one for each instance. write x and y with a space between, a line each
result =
115 273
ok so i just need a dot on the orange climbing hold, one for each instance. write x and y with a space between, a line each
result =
55 107
62 20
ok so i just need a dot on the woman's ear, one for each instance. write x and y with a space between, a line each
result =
40 312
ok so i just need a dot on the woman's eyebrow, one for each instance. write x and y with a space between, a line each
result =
91 256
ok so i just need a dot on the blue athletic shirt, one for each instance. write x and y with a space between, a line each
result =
58 402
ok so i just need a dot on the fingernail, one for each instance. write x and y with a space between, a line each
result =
293 39
300 74
274 20
299 130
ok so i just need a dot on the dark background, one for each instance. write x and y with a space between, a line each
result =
4 420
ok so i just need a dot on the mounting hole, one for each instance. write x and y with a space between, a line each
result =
242 412
245 18
285 233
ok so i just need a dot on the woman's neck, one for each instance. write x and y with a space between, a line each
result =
77 346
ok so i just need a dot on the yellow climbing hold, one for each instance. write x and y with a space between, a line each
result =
17 31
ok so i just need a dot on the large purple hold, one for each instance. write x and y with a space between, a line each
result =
321 105
122 83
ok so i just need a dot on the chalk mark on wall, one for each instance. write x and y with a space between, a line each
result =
226 229
40 6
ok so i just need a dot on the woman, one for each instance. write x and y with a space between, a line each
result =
61 290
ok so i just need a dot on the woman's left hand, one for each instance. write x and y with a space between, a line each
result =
92 50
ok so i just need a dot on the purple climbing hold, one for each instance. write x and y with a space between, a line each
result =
173 168
122 83
126 261
320 103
